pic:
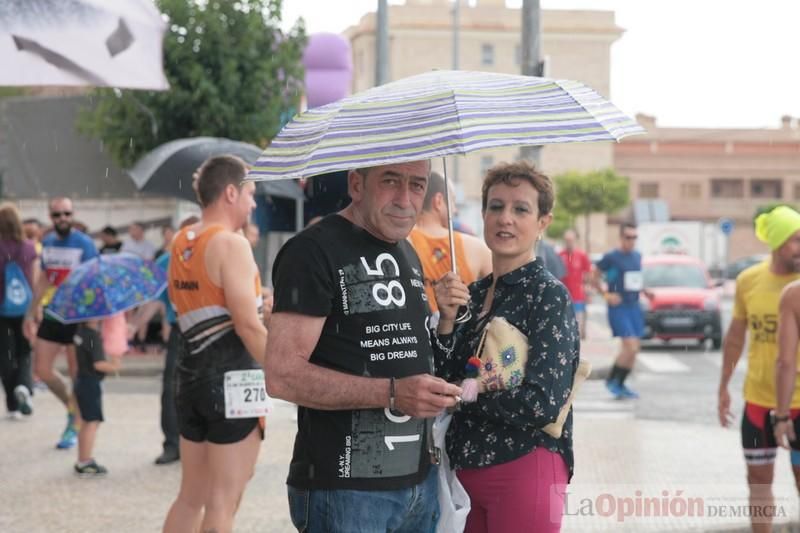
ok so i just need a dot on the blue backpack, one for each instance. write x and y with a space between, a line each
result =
18 293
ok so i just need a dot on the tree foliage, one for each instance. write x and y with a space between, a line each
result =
579 193
562 221
232 72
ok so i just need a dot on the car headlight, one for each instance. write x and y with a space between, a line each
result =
711 304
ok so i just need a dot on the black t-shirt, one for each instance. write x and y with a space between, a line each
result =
372 294
88 350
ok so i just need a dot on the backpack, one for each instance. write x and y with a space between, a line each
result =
18 293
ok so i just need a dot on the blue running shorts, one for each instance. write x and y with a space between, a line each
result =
626 320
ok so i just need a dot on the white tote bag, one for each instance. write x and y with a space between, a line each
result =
453 499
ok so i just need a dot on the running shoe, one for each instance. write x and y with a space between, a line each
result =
628 393
90 470
615 388
23 396
70 436
14 415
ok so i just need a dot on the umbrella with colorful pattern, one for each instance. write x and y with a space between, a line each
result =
104 286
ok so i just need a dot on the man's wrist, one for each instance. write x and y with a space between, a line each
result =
391 394
779 418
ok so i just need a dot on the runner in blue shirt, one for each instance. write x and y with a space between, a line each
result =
624 282
63 249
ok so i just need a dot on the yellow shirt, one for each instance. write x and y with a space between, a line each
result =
758 293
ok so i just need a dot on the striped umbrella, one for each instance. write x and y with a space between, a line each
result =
439 113
436 114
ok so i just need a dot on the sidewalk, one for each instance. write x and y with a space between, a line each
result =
631 475
614 460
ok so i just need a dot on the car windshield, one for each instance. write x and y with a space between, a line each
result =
674 276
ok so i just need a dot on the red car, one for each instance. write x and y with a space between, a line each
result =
685 303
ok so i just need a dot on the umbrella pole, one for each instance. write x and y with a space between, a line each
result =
466 315
449 219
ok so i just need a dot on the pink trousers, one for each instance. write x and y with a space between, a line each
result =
524 495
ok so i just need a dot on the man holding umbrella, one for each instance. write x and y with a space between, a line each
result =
348 343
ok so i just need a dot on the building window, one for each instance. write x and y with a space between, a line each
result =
772 189
648 190
727 188
797 191
690 191
487 54
487 162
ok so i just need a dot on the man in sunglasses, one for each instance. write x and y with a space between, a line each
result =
624 283
63 249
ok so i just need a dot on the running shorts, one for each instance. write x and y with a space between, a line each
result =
54 331
200 393
758 436
626 320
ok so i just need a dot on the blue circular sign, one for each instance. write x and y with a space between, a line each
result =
726 226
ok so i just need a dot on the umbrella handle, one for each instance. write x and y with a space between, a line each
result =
466 315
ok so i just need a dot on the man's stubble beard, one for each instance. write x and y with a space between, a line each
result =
64 232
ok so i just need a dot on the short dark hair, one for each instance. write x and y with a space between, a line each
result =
626 225
520 170
108 230
435 186
215 174
33 221
137 223
188 221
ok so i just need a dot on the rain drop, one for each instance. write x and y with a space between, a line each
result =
106 172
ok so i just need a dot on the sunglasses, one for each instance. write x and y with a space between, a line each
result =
59 214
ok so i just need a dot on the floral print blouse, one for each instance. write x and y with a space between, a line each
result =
504 425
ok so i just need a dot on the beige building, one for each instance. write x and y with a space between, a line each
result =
708 174
575 45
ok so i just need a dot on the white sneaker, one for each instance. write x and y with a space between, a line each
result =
23 396
14 415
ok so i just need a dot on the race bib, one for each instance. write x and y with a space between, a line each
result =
633 281
245 394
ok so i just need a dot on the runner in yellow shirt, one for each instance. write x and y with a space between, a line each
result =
758 291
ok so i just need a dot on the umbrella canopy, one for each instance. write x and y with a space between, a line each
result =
82 42
168 169
104 286
436 114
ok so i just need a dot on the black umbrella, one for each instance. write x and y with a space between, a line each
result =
168 169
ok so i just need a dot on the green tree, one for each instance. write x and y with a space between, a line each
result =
562 221
232 72
599 191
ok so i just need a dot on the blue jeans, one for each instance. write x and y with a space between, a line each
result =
412 510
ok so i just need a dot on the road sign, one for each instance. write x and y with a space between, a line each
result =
726 226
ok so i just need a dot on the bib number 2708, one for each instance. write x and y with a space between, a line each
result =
385 293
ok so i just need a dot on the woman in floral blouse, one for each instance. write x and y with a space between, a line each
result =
514 472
